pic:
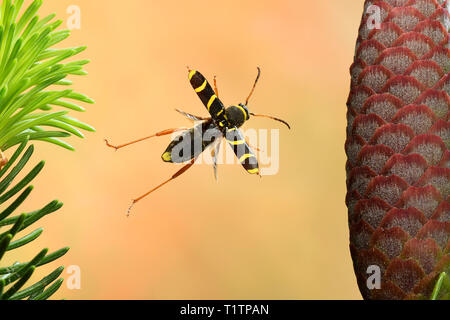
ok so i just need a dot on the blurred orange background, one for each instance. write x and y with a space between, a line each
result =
280 237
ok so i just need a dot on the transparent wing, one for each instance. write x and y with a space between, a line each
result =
191 116
215 155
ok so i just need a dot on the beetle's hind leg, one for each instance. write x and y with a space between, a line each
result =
176 175
159 134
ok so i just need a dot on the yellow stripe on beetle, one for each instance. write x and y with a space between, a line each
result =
236 143
243 111
167 157
211 101
192 74
202 87
253 171
245 157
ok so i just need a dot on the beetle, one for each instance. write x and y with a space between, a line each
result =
223 123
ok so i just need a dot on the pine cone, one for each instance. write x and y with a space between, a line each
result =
397 144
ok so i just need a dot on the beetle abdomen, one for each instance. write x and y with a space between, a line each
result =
191 143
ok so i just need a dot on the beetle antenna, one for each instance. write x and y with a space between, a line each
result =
270 117
254 86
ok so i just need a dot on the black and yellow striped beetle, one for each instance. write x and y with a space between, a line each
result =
222 123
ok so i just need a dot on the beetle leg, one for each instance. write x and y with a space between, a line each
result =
176 175
159 134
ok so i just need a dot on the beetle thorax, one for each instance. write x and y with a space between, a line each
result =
237 115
